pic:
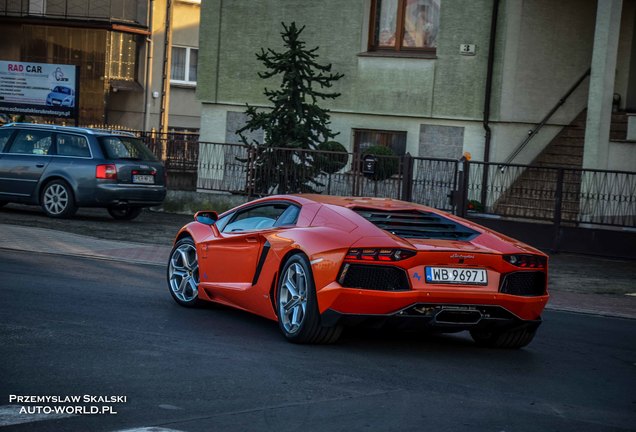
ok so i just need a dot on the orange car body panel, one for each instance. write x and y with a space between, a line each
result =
325 230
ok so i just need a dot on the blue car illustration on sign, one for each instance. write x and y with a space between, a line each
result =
61 96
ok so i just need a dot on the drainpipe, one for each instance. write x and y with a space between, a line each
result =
148 78
491 61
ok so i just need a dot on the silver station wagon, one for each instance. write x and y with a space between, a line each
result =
63 168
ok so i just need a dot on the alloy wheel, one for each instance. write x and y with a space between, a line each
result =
183 273
293 298
56 199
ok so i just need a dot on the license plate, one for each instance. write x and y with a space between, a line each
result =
146 179
460 276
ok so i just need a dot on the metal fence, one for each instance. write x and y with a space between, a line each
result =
560 195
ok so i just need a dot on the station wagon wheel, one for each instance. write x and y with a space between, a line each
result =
57 199
297 306
183 273
124 212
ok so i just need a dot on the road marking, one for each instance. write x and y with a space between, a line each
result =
148 429
169 407
10 415
631 294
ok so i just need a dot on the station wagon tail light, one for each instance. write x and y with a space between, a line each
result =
526 261
375 254
106 171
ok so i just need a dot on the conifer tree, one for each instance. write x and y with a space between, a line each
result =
295 121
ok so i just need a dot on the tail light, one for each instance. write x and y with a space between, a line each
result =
106 171
526 261
376 254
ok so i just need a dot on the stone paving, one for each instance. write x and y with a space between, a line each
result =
577 283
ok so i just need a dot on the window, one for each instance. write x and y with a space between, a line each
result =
72 145
122 55
31 142
125 148
4 137
262 217
365 138
183 68
405 26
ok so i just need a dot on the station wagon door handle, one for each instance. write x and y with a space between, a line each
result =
251 239
40 165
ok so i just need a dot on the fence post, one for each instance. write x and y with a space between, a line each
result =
484 184
407 177
461 194
355 172
249 181
163 139
558 205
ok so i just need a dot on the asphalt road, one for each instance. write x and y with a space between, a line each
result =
71 326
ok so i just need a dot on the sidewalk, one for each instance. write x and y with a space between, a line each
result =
577 283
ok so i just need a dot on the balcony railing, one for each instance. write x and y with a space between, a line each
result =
114 11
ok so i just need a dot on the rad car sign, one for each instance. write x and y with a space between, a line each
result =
40 89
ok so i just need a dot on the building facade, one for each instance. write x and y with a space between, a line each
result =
437 78
128 75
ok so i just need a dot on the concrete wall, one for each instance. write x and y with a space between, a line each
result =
542 48
376 92
374 85
185 108
546 46
625 58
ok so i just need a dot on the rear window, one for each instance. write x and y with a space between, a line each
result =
116 147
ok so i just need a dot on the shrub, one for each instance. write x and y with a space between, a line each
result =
332 163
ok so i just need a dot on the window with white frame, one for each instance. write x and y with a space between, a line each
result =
183 68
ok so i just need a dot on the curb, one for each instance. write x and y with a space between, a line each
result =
90 256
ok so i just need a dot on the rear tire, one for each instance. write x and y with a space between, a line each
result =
57 200
514 338
297 306
124 212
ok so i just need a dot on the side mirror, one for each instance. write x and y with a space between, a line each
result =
206 217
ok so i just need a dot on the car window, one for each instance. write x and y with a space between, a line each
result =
220 224
72 145
4 137
256 218
31 142
289 216
116 147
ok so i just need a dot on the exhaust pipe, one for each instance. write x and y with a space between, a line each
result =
458 316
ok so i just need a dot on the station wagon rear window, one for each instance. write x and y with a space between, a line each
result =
116 147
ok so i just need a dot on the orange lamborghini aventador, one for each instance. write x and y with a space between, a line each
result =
316 263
